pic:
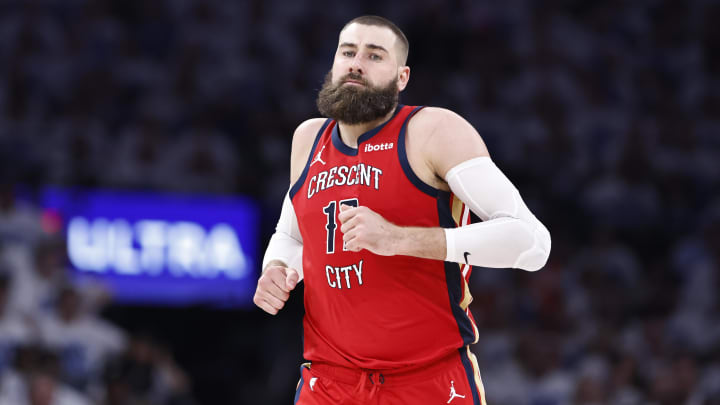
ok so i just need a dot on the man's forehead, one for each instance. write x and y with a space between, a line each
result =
360 35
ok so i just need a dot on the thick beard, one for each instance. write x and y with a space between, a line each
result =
356 105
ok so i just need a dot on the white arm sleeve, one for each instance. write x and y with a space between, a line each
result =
510 235
286 244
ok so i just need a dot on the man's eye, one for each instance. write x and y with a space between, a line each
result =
348 53
375 56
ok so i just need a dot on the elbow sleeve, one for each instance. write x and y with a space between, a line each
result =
286 243
509 236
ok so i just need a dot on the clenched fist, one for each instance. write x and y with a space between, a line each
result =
364 228
274 286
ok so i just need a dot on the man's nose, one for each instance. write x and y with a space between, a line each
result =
356 66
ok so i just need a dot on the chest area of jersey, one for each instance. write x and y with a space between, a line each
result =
333 173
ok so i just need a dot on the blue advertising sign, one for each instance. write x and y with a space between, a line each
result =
155 248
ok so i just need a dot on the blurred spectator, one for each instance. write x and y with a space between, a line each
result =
45 389
82 340
37 382
138 161
146 373
38 271
200 160
19 222
14 330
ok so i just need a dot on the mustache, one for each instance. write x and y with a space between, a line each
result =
354 105
354 77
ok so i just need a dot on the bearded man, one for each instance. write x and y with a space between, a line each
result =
377 222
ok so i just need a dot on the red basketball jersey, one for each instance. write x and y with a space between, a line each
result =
364 310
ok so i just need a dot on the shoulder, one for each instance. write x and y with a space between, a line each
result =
306 131
302 142
435 119
448 139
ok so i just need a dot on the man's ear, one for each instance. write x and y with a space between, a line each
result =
403 77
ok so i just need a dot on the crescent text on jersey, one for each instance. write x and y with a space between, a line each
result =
358 174
340 277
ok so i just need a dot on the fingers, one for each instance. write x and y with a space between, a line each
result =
268 303
279 286
272 289
291 279
350 225
353 245
349 216
347 212
352 240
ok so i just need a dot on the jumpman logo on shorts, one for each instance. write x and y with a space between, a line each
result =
454 394
318 157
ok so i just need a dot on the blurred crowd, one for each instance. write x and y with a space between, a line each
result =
605 115
55 348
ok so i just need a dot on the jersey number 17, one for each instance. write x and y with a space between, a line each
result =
330 211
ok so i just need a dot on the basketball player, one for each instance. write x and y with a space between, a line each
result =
377 222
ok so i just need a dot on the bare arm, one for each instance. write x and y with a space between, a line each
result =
450 155
438 140
448 141
280 274
363 228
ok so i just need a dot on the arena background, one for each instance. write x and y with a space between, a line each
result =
605 115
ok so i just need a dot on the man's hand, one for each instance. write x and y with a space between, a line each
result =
364 228
274 287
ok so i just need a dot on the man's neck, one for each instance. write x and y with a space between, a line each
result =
351 133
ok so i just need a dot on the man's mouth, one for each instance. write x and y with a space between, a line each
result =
354 82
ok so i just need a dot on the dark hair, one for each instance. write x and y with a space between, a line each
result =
384 22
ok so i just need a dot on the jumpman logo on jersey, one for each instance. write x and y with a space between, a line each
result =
318 157
454 394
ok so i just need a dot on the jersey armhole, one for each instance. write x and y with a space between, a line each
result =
296 187
405 163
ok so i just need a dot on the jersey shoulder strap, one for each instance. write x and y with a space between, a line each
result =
296 187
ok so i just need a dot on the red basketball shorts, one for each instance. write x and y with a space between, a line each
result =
454 380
